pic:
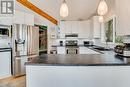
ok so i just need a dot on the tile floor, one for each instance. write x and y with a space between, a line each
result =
13 82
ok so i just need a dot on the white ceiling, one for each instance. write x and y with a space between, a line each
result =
78 9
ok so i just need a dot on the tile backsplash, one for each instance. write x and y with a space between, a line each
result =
80 41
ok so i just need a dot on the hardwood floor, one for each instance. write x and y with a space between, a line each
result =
13 82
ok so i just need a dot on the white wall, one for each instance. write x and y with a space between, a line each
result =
111 13
112 4
111 8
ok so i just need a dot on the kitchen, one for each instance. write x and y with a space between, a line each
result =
84 45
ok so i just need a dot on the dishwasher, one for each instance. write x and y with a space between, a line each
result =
5 62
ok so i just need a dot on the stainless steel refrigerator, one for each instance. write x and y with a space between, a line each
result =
25 43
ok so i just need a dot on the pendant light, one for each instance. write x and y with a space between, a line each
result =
101 19
102 8
64 12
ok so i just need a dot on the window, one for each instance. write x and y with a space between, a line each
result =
110 32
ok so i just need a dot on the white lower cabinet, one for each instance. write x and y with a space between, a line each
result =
85 50
5 64
82 50
61 50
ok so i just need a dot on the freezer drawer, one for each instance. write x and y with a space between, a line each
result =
19 67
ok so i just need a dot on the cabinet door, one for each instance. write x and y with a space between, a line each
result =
96 27
61 50
18 17
68 27
5 64
62 29
6 20
81 29
29 19
75 26
84 29
91 34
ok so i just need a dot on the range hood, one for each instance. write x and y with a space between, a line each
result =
71 35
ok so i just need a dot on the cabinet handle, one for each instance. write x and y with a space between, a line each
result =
67 51
76 51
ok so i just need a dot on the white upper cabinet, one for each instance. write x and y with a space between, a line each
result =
71 27
123 17
62 29
68 25
75 26
29 19
6 20
23 18
84 29
96 26
18 17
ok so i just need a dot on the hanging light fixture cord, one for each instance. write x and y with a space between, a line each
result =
64 1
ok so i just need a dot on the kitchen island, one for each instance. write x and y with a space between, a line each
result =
80 70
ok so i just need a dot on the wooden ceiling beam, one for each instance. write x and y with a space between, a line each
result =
34 8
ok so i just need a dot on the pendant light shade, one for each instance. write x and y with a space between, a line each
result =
64 12
102 8
101 19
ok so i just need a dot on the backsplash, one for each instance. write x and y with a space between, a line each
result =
80 41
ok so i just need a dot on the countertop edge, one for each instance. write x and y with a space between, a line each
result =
37 64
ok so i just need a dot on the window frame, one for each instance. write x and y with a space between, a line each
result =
114 28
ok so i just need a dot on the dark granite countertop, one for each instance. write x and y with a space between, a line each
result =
58 46
106 59
65 46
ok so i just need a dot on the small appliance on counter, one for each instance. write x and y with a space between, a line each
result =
126 51
88 43
123 50
61 43
119 49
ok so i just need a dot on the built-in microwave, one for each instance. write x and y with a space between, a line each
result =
5 31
